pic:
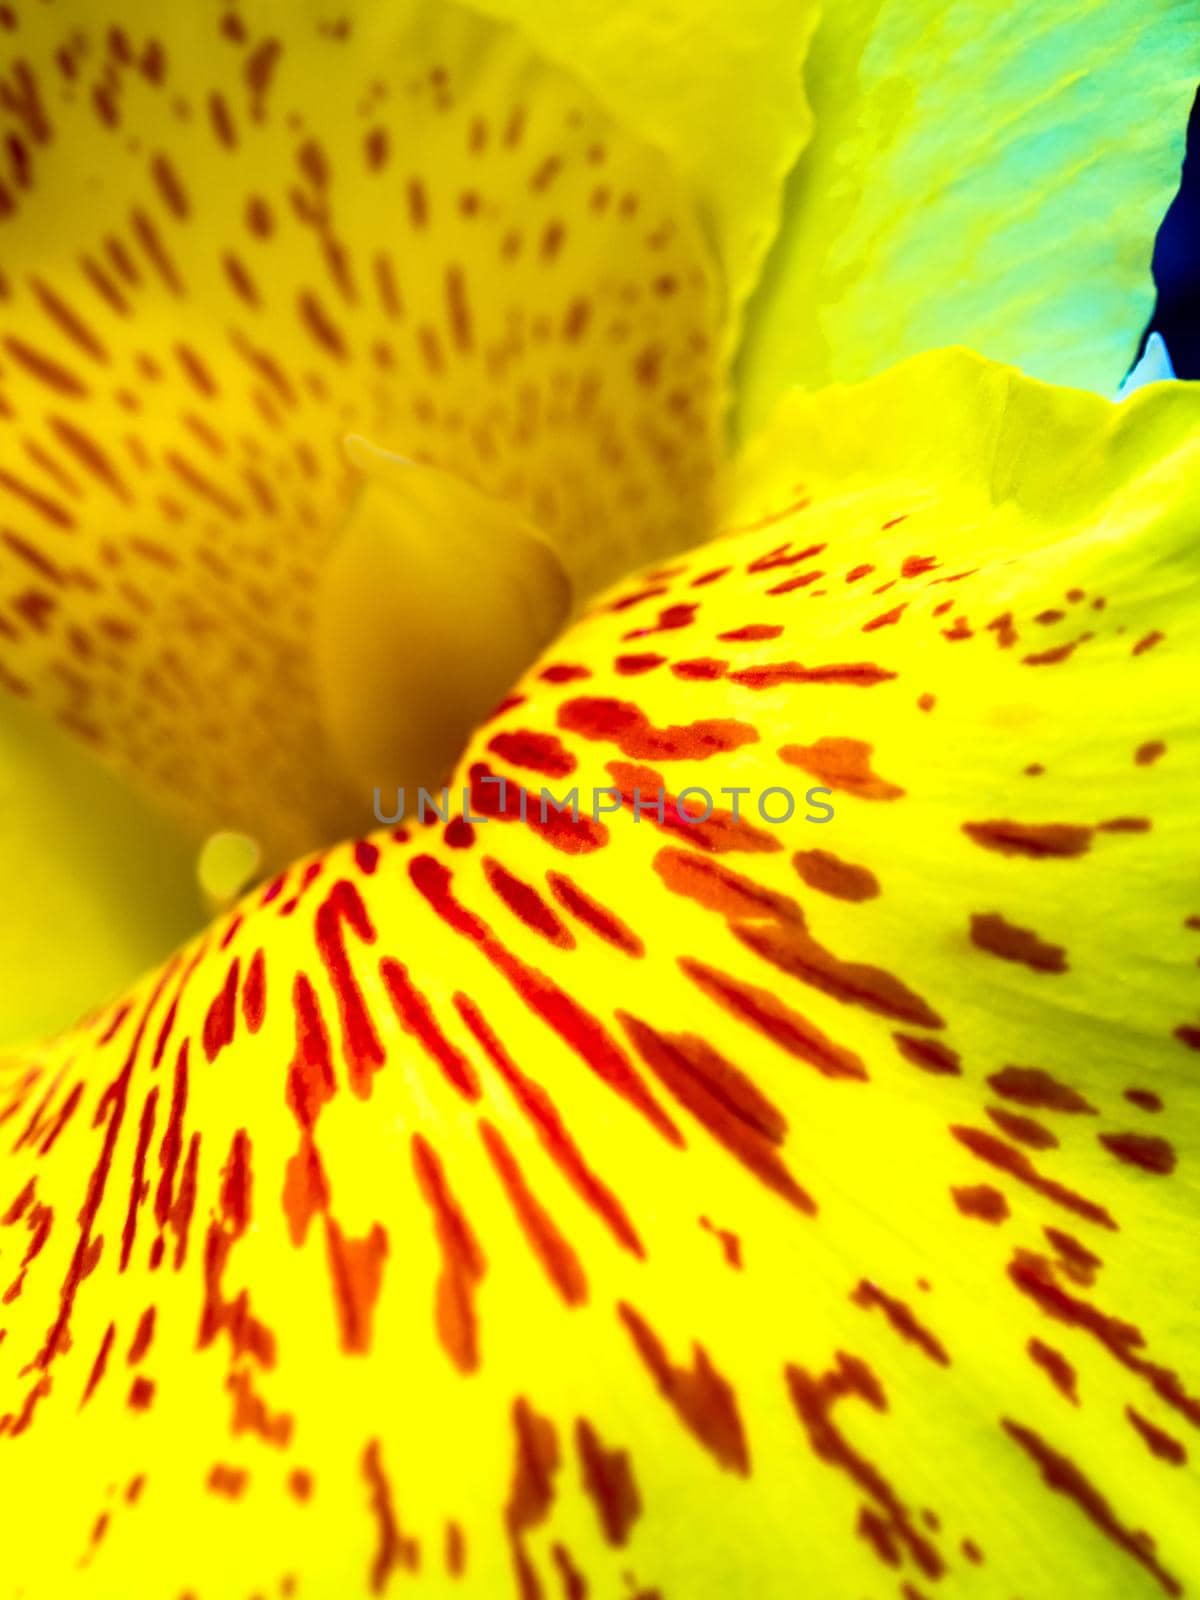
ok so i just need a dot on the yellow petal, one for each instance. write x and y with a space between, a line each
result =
97 886
232 239
694 1208
718 87
978 176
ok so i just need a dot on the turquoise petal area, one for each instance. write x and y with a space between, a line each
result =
979 175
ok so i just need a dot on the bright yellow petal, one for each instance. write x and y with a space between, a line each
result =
230 239
738 1208
96 885
980 175
718 86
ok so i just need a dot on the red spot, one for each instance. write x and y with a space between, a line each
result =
1018 1165
141 1394
99 1365
416 1018
997 936
310 1081
776 1021
1159 1443
254 992
982 1201
789 585
366 857
825 872
362 1048
931 1055
536 1460
782 555
1076 1260
886 619
842 764
552 1132
914 566
700 1397
356 1274
636 598
499 799
1034 1087
143 1337
1025 1130
305 1189
722 1098
395 1552
228 1481
1125 825
1003 628
670 618
456 1550
1035 840
1060 1474
1144 1099
724 831
752 632
463 1263
902 1318
632 666
577 1027
138 1186
173 1140
1056 1367
526 904
861 674
557 1258
701 669
814 1399
1144 1150
608 1482
595 916
731 1245
624 724
564 672
1122 1340
540 752
794 951
222 1014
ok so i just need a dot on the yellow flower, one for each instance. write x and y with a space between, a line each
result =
774 1177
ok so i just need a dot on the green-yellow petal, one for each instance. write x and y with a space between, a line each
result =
694 1209
97 885
982 175
235 236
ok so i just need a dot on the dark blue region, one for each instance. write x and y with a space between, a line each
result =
1176 264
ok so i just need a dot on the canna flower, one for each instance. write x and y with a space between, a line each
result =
673 1197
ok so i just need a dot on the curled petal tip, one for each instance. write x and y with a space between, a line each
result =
1153 366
